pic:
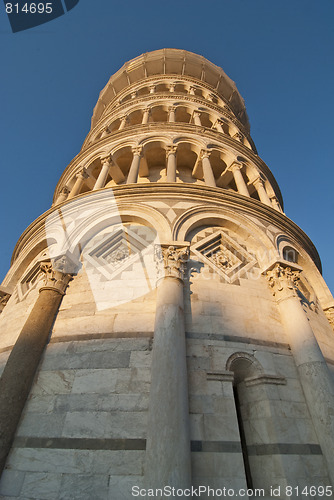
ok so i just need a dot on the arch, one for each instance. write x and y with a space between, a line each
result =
243 365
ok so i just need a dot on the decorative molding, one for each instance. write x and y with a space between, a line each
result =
57 274
329 312
283 281
171 260
220 376
264 378
4 298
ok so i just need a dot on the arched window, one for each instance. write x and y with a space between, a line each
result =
290 254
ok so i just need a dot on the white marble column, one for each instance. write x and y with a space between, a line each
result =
314 374
261 191
101 180
146 115
171 163
168 438
20 369
80 179
209 178
171 113
134 169
123 122
242 188
197 118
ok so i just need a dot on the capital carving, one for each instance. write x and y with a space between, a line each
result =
171 260
205 153
258 182
152 89
124 118
147 110
82 174
137 150
64 190
4 298
235 166
171 149
196 113
57 274
238 135
105 160
171 109
330 315
283 281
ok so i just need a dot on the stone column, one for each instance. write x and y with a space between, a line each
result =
192 90
197 118
123 122
21 366
168 439
172 87
81 177
134 169
63 195
152 89
101 180
314 374
171 113
261 190
146 115
239 180
219 126
209 178
171 163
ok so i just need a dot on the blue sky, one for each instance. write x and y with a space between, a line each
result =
280 54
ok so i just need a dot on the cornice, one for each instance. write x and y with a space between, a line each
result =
139 193
177 127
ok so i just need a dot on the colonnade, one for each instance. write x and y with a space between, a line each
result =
195 118
244 185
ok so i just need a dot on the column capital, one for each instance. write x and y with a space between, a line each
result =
239 136
124 118
205 153
236 165
106 160
171 149
197 113
171 108
64 190
57 274
4 298
258 181
137 150
152 89
147 109
82 174
172 259
283 281
329 312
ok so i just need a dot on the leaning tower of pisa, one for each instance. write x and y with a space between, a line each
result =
164 324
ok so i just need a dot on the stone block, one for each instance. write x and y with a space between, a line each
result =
11 483
97 359
94 381
41 485
53 382
105 424
120 488
118 463
220 428
84 487
196 424
140 359
41 425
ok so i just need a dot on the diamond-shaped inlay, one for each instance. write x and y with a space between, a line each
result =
224 255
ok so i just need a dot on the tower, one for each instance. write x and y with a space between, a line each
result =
165 323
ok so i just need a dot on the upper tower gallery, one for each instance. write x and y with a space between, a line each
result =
170 116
